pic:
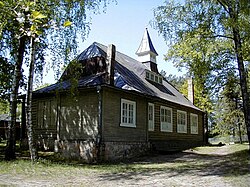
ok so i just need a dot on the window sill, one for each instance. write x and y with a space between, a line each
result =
182 132
127 125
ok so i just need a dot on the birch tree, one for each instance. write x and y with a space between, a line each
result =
17 26
220 21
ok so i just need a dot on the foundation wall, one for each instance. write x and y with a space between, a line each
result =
124 150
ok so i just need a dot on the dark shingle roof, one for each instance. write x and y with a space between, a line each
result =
90 52
88 81
129 75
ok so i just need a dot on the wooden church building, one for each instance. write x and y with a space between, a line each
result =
109 106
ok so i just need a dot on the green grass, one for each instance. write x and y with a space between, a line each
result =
233 166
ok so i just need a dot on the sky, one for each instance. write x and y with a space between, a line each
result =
123 25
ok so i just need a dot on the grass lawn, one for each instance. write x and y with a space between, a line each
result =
229 164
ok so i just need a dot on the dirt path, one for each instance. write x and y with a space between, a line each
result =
190 168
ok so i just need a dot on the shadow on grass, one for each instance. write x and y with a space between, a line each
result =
184 163
189 163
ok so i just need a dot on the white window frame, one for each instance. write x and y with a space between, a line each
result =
152 77
181 128
151 123
147 75
160 80
168 126
126 123
194 124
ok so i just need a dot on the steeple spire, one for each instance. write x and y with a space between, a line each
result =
146 52
146 45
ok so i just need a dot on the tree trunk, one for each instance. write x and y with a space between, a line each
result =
240 132
241 68
10 152
243 82
32 147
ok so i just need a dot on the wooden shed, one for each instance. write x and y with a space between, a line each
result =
118 108
4 121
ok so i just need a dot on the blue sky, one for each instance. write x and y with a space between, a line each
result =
123 25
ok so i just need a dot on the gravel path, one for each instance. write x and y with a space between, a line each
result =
181 169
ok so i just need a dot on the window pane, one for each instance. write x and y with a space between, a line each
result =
181 122
166 119
128 113
194 123
152 77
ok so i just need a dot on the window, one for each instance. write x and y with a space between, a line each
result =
194 123
152 77
157 79
151 117
128 113
181 121
160 80
166 119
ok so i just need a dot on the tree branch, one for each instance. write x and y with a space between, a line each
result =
224 5
218 36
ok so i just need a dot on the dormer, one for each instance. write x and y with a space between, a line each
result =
146 52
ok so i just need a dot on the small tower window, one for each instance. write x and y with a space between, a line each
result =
160 80
156 79
152 77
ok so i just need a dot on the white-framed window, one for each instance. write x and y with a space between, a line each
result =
128 113
151 116
147 75
166 119
157 79
194 123
160 80
181 121
152 77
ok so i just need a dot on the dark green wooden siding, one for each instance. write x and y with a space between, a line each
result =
157 135
44 117
78 116
112 131
66 117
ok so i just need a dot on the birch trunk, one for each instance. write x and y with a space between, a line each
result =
32 147
10 152
241 68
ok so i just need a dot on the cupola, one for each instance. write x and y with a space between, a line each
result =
146 52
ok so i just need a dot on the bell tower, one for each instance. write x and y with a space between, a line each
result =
146 52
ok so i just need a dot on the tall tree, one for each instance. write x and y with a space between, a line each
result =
6 70
16 47
20 19
211 23
229 111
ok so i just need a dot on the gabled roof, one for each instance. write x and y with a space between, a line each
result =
146 45
129 75
90 52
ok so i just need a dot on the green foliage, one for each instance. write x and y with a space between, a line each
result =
30 29
4 106
200 99
56 25
6 71
176 81
210 39
229 112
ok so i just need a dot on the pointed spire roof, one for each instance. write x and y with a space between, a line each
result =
146 45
